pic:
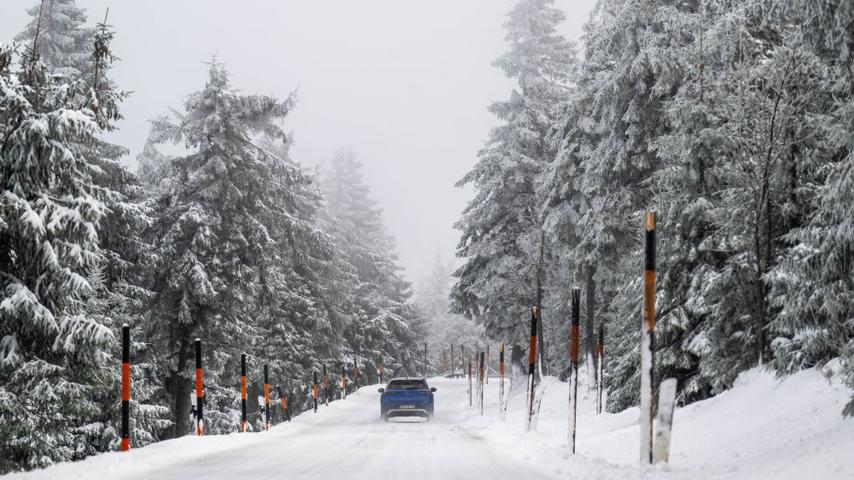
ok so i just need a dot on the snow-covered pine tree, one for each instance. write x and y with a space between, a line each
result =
445 328
58 33
814 283
383 323
601 182
234 226
53 354
502 233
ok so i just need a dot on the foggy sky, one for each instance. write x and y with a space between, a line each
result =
404 84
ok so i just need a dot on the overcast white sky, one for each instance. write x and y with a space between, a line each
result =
405 84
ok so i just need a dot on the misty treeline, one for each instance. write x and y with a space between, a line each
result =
734 121
220 236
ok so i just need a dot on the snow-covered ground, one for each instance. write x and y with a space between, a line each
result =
762 428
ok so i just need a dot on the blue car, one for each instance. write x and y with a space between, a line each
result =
406 397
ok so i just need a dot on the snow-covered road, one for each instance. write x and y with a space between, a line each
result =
763 428
347 439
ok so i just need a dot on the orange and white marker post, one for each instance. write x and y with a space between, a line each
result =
125 443
243 392
200 416
266 397
647 340
573 369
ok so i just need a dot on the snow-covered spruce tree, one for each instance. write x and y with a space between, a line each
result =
445 328
233 233
58 32
502 235
53 354
383 324
601 183
119 295
814 283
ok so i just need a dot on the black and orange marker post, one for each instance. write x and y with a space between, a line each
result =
125 445
326 391
648 339
343 382
532 360
243 392
573 369
381 369
501 375
470 392
266 397
482 377
600 382
200 416
314 391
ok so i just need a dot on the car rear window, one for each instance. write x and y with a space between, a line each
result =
407 385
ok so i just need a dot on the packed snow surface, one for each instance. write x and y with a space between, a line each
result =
762 428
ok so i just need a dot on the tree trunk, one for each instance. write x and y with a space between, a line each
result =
179 388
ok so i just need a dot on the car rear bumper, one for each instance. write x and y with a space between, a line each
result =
408 412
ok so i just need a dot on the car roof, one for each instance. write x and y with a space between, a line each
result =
407 378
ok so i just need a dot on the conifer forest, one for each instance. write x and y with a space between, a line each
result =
708 143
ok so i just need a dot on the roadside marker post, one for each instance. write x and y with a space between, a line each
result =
381 371
453 361
647 340
243 392
501 376
532 360
266 397
125 443
482 374
573 369
200 417
600 352
470 392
